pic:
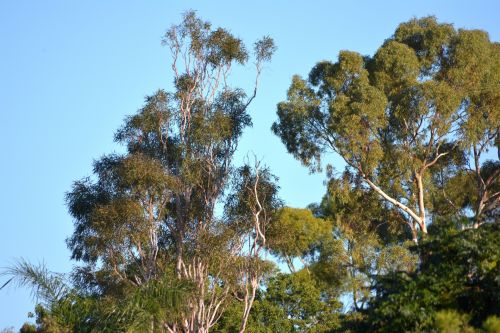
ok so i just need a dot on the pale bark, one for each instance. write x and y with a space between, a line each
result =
253 274
396 203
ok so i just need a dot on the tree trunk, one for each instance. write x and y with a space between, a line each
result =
249 299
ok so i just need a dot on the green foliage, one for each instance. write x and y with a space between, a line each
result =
429 93
354 107
309 305
366 240
459 272
426 36
242 203
357 212
297 233
291 303
46 287
265 317
146 308
409 122
450 321
492 324
65 308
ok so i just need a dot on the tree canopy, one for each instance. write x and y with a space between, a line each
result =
172 236
429 93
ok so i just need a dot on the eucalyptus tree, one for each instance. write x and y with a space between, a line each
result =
428 91
152 211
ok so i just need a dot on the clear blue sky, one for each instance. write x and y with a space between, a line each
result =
71 70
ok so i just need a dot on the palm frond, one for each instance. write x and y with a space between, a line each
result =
155 303
45 286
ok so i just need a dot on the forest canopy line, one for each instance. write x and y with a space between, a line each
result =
406 238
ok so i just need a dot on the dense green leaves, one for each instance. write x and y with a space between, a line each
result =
291 303
459 271
304 234
392 117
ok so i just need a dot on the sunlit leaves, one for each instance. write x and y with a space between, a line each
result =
427 90
296 233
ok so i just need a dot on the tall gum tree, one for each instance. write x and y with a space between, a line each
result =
152 210
428 91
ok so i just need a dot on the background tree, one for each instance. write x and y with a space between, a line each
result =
309 305
393 116
297 234
295 302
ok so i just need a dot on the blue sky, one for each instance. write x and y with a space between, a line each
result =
70 71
